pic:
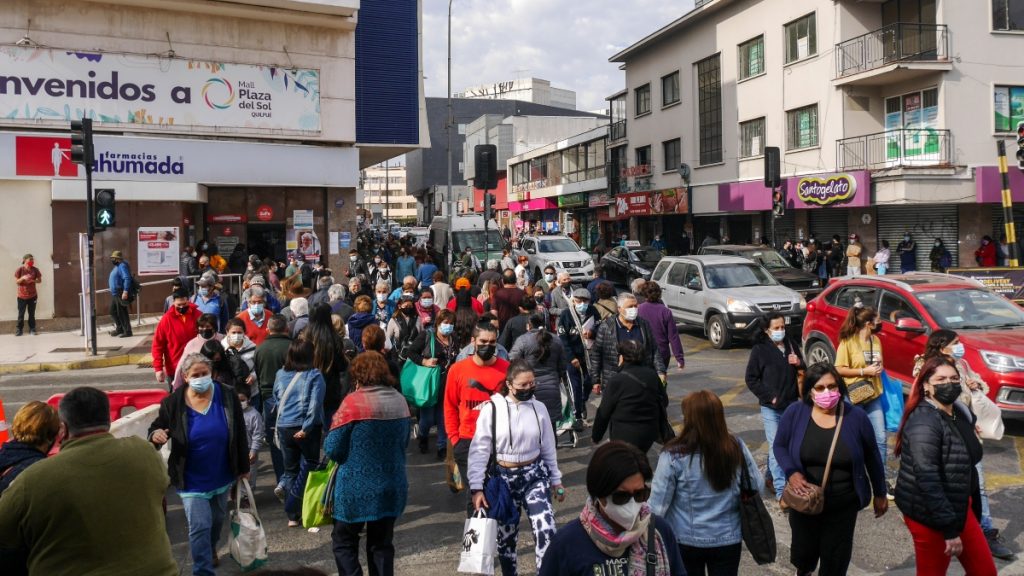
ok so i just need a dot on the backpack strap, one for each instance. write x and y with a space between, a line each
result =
652 543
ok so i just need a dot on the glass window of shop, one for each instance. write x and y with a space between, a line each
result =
751 55
709 103
752 138
616 162
583 162
538 169
1008 14
802 127
520 173
1009 107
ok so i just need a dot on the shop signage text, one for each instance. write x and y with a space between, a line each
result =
532 185
633 204
41 84
264 213
226 219
570 200
599 199
826 190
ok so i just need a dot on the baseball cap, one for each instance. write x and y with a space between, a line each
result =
116 254
462 283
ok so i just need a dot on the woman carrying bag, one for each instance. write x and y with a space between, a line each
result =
435 348
514 439
547 357
633 406
826 448
696 487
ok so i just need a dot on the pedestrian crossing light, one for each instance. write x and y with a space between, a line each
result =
1020 146
106 214
81 142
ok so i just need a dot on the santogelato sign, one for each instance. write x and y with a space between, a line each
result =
828 190
41 84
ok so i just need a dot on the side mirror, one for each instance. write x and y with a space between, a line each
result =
910 325
694 284
531 251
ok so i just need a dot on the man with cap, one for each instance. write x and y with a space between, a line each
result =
120 282
209 300
177 326
853 252
573 333
27 276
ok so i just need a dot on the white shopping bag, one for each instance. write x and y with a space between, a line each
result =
248 541
479 545
990 417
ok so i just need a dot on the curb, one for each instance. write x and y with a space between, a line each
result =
141 359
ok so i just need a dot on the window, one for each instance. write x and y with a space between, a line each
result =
677 274
671 151
1008 107
895 307
670 89
691 275
751 58
752 138
849 297
643 156
801 39
1008 14
643 99
802 127
709 104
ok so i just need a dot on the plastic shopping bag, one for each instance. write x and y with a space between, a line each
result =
479 545
247 541
990 417
318 498
892 402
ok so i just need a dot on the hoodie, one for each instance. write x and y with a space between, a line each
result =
172 334
15 457
356 323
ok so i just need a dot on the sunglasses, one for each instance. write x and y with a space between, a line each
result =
822 387
620 498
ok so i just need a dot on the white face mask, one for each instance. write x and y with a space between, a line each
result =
631 313
235 338
624 515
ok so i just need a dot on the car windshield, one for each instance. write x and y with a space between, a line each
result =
736 276
475 240
645 256
557 245
971 309
770 259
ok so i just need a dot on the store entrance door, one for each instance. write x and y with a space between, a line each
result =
267 240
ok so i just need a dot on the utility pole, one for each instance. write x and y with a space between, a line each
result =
448 129
1011 231
82 153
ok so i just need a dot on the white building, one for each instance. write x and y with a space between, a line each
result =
525 89
384 194
887 114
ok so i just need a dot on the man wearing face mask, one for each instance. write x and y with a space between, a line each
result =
255 316
209 301
626 325
546 282
120 282
571 331
560 296
471 383
357 267
27 276
907 251
177 326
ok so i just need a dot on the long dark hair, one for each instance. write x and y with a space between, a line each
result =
937 341
917 392
855 321
543 336
705 432
465 321
328 348
814 373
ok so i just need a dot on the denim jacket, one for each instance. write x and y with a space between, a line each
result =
305 405
699 516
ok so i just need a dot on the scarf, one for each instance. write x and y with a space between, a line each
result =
371 403
614 543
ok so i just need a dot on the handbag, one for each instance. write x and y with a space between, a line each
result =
247 540
863 391
421 384
479 545
755 523
651 558
277 421
990 416
812 500
452 477
318 498
500 505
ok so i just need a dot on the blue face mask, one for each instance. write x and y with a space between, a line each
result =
427 302
777 335
582 308
958 351
204 292
201 384
446 329
256 309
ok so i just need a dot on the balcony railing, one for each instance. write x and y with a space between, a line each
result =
905 147
899 42
617 131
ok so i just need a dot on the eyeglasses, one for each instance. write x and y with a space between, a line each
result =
945 381
620 497
823 387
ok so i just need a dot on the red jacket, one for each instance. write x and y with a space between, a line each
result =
255 332
986 255
477 306
172 334
467 387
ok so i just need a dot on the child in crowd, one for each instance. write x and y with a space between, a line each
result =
254 431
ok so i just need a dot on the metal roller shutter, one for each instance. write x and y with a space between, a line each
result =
997 220
785 227
925 223
825 222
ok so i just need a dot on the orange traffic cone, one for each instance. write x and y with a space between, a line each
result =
3 424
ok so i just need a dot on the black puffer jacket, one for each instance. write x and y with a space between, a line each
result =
770 376
937 476
604 356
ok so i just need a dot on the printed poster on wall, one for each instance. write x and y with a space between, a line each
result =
44 84
1001 106
158 251
1016 107
305 242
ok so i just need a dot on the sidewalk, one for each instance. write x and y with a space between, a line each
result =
56 351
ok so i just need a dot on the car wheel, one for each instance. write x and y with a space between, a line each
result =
817 352
718 332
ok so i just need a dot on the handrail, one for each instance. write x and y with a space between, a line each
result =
899 148
901 41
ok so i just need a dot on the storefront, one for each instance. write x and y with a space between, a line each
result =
538 213
568 204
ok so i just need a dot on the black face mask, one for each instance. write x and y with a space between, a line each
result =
408 311
486 352
182 309
206 334
947 393
539 299
523 395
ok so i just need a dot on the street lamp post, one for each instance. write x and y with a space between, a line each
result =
448 129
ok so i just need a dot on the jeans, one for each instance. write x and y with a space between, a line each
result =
205 519
430 417
380 548
580 381
293 451
717 561
771 418
877 417
27 305
986 512
269 420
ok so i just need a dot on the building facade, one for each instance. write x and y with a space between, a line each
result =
887 115
229 123
532 90
383 193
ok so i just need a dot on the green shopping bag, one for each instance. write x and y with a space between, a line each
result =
318 499
421 384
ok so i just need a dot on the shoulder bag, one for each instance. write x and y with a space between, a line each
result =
812 500
755 522
501 506
421 384
651 559
864 391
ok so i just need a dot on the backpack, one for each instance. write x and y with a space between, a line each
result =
134 287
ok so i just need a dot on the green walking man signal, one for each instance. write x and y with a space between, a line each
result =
106 214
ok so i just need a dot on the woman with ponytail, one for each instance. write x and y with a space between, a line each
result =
550 363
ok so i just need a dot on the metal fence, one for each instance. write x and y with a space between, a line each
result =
899 42
905 147
617 131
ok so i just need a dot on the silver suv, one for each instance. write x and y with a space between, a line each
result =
560 252
725 295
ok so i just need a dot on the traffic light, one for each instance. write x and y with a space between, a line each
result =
81 142
1020 146
778 203
485 164
488 206
772 171
104 209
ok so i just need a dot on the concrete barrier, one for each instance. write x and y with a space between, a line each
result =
137 424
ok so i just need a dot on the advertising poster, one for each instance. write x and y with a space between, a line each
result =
1001 106
1006 281
158 251
345 240
302 219
1016 107
305 242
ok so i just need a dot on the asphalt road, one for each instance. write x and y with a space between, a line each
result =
429 533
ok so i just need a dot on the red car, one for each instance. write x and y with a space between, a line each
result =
911 306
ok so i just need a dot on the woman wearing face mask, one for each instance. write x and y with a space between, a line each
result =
772 377
907 250
632 401
859 359
207 330
435 348
403 328
383 308
362 316
514 429
547 357
209 452
381 274
940 257
938 487
613 534
426 310
826 441
241 355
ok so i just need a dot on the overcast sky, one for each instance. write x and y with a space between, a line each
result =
565 41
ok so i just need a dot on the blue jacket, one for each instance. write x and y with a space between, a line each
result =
356 323
305 405
120 279
699 516
405 266
858 436
371 480
425 275
217 306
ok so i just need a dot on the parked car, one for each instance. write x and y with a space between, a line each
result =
780 267
623 264
913 305
561 252
726 295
